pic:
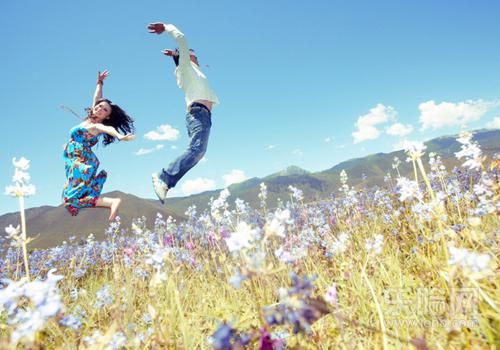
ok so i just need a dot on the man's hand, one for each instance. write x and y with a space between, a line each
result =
168 52
156 28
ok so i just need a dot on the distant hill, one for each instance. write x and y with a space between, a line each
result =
55 225
366 171
290 171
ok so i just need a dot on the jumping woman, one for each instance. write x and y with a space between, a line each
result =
105 121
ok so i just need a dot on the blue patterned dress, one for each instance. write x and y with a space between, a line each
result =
83 185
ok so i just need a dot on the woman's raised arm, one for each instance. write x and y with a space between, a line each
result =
98 89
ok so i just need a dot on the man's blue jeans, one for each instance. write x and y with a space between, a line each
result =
198 122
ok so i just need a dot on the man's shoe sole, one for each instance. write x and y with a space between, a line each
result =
162 201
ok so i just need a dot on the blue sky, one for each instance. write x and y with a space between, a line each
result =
300 83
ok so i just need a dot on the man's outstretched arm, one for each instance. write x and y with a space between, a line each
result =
177 35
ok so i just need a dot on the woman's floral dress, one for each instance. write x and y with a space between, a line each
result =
83 185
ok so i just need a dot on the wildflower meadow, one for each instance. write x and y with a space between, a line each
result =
412 264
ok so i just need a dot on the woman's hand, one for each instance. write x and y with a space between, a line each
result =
128 137
100 83
102 76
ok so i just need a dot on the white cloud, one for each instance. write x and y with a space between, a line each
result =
366 123
234 177
198 185
173 147
329 139
297 152
398 129
399 146
144 151
203 160
270 147
436 116
163 133
494 124
366 133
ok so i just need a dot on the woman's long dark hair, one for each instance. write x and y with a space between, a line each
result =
118 119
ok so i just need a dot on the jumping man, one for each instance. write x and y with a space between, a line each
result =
200 99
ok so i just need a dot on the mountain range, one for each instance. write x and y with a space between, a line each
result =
53 225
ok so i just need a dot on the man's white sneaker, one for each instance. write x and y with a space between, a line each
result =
159 187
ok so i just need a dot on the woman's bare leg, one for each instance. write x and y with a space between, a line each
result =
111 203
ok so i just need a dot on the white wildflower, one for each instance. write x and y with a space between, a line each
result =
263 194
276 227
25 319
242 237
376 245
343 180
158 256
331 295
340 244
469 260
474 221
396 163
21 176
414 149
21 164
117 342
469 150
219 206
291 254
240 206
20 190
13 232
255 262
408 189
296 193
158 278
21 186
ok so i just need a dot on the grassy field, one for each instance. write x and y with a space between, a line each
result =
413 265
